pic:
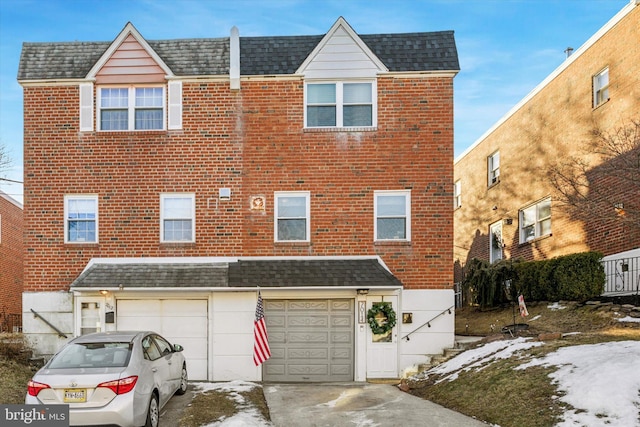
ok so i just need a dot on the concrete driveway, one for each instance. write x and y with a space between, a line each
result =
356 404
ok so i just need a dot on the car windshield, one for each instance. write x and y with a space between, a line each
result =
92 355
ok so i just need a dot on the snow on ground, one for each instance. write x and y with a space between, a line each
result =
629 319
600 381
556 306
248 416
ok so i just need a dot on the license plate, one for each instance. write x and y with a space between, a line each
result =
75 395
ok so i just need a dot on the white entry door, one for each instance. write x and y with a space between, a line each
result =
382 350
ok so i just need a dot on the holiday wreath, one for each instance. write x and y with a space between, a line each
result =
386 310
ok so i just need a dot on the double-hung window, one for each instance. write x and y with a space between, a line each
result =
340 104
292 214
392 211
131 108
81 219
457 194
535 221
601 87
493 168
177 218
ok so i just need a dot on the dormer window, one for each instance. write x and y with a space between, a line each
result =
131 108
340 104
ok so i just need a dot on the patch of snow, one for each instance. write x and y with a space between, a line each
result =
556 306
536 317
247 416
601 382
629 319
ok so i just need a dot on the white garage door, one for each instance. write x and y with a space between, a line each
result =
182 322
310 340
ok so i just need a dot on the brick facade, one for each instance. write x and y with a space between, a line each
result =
253 142
551 124
11 258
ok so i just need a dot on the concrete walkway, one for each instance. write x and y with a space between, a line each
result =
356 404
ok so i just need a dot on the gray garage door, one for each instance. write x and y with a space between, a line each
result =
311 340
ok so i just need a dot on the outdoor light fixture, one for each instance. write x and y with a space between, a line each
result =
104 291
363 291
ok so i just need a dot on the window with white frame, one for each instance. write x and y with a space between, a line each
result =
535 221
457 194
392 211
601 87
493 168
340 104
177 217
81 219
131 108
292 216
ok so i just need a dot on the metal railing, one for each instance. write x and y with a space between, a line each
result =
60 333
623 275
10 322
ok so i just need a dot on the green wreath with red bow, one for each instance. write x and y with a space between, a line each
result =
385 309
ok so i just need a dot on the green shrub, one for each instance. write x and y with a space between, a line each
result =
576 277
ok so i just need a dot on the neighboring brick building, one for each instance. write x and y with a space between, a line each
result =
11 263
502 184
168 173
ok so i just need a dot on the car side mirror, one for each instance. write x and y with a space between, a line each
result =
177 347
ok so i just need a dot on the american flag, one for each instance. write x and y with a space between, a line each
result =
261 351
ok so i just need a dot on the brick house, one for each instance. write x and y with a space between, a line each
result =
505 205
11 263
167 181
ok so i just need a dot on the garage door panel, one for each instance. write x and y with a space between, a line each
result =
311 340
194 327
183 308
297 354
308 337
302 321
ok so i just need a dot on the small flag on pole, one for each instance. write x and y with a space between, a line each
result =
261 351
522 306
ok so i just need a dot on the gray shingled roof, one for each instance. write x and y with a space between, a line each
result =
365 273
431 51
152 275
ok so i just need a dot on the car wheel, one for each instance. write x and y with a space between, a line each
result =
184 381
153 413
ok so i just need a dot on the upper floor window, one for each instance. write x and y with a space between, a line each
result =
131 108
392 210
601 87
293 214
535 221
177 218
81 219
457 194
493 168
340 104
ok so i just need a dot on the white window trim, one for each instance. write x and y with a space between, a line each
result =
70 197
597 89
536 225
407 194
492 177
307 196
131 108
192 196
457 194
340 103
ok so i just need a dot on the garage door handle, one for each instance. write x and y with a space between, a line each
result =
154 369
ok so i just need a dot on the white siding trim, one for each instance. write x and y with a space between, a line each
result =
86 107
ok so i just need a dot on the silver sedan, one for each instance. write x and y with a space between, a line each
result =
117 378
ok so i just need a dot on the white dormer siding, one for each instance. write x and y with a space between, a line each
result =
341 57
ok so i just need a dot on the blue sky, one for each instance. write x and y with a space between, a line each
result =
505 47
